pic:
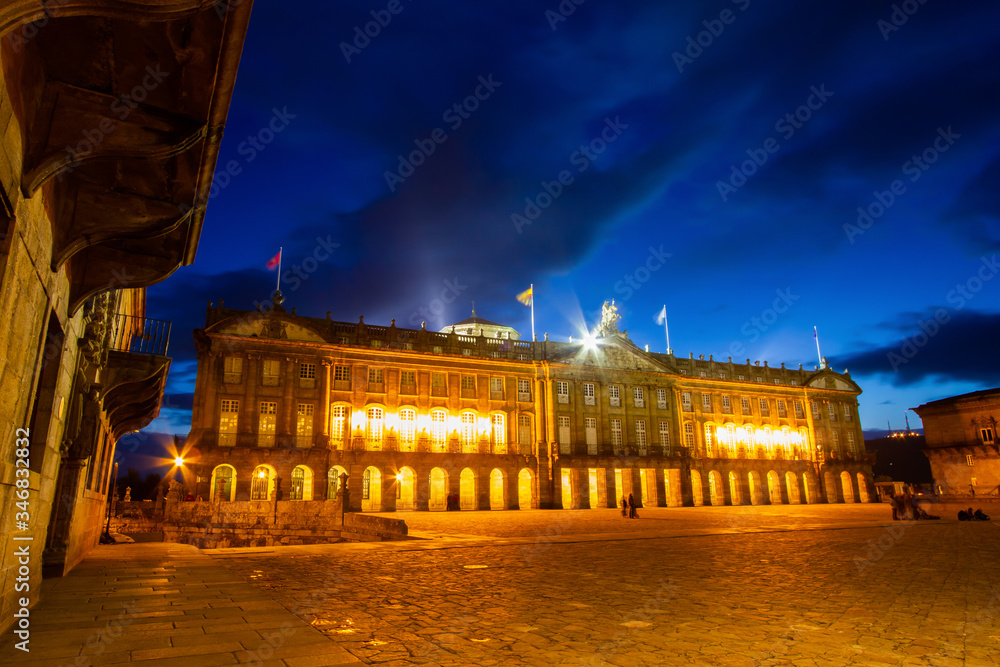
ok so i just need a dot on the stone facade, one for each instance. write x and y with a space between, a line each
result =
109 131
962 443
284 403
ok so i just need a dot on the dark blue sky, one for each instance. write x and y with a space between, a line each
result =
727 146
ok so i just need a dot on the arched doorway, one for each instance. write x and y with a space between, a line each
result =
406 489
301 484
566 488
697 493
263 483
774 488
223 484
734 489
467 490
498 490
756 494
333 481
439 490
371 490
847 487
792 486
525 490
716 492
863 489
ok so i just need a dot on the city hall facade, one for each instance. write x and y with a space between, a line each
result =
474 418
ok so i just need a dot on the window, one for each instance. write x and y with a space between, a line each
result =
590 431
722 376
745 405
709 444
524 433
260 484
376 377
439 385
661 399
702 374
831 410
614 396
616 437
468 386
439 430
437 349
341 377
271 369
564 443
835 441
307 371
781 408
799 413
338 426
466 352
689 436
970 460
407 430
266 423
407 382
376 343
376 425
777 381
499 434
758 379
741 378
640 437
686 401
523 389
588 393
987 435
706 401
496 389
850 442
562 391
298 484
727 405
228 421
815 409
665 437
468 432
638 397
233 370
794 383
304 425
764 410
847 413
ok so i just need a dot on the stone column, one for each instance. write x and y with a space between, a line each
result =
483 488
614 498
581 488
389 486
661 487
249 414
324 403
631 483
422 488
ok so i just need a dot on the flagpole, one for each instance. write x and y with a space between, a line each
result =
532 289
818 355
666 329
278 288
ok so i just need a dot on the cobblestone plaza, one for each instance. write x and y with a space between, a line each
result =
802 585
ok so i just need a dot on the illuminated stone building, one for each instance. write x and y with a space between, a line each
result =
111 113
962 444
285 404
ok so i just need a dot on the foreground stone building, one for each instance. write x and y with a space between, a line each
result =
285 404
962 444
111 115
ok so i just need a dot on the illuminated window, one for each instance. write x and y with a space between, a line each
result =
562 391
970 460
338 426
709 443
987 435
499 434
686 402
375 379
665 437
616 437
794 383
722 376
233 370
590 432
614 395
376 343
588 393
640 437
638 397
304 425
702 374
758 379
341 377
267 423
564 442
689 436
741 378
496 389
524 432
661 399
407 382
298 482
706 401
781 408
376 426
777 381
468 383
523 389
815 409
307 371
407 429
272 368
468 432
228 421
798 410
764 410
727 405
260 484
745 405
439 430
439 384
437 349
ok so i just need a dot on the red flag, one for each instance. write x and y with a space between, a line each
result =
273 263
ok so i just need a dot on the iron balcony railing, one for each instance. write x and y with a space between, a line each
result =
140 335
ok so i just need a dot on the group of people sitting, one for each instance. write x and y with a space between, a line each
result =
905 508
969 515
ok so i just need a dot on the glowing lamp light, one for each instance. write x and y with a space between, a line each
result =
178 462
262 474
399 477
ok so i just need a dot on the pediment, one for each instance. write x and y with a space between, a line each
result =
617 354
827 379
276 326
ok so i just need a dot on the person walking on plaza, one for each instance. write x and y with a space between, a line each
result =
631 508
624 507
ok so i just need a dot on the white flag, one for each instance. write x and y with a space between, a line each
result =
661 317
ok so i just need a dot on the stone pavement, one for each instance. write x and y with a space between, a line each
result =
802 585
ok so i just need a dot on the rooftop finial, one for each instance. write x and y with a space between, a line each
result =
473 308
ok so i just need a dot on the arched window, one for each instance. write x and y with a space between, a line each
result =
262 483
333 481
468 432
223 483
407 429
376 425
339 429
439 430
499 434
301 484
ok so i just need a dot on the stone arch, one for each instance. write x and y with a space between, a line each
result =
301 483
371 490
263 482
831 486
735 493
756 491
865 497
774 488
439 490
525 489
223 484
697 493
716 491
792 487
467 492
498 490
333 481
406 489
847 487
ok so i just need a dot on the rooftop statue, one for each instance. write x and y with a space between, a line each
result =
609 320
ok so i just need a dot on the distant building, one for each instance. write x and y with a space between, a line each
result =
962 445
285 404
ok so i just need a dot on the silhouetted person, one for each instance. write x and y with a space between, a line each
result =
631 508
624 507
963 516
980 516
